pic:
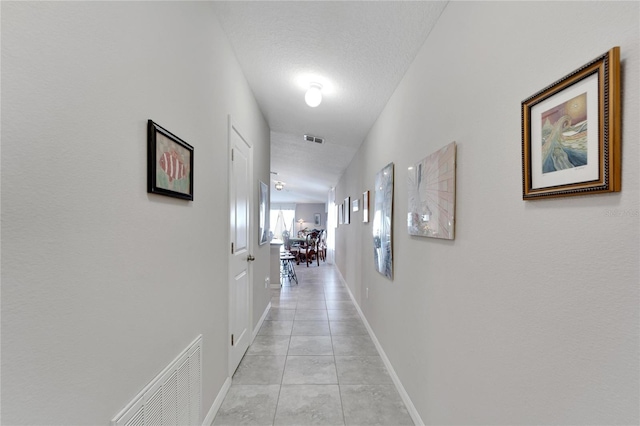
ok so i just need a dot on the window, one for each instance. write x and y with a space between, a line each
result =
281 219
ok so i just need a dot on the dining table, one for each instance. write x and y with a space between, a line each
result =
297 241
294 245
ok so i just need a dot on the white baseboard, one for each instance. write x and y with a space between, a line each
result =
211 415
257 329
413 412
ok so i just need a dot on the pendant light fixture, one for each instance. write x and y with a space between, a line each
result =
313 97
279 185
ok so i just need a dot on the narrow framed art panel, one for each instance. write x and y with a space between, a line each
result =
347 210
317 221
432 195
365 206
169 163
383 222
263 228
571 133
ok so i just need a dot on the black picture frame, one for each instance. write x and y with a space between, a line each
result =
347 210
169 163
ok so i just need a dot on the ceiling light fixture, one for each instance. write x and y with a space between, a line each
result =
279 185
313 97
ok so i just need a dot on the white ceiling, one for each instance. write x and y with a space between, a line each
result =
358 50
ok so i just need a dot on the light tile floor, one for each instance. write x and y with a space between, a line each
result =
312 363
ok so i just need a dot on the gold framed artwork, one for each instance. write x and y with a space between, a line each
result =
571 133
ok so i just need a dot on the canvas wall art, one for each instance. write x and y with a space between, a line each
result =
383 222
432 195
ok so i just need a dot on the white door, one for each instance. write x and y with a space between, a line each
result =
240 280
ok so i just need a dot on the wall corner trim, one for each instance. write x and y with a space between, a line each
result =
211 415
259 325
413 412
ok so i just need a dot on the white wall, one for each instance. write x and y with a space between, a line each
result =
102 283
306 212
530 316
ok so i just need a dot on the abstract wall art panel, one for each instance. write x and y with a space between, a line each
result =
432 195
383 222
263 226
365 206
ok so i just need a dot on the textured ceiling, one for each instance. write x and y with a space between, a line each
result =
359 51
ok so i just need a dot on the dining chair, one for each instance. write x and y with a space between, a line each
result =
310 249
322 245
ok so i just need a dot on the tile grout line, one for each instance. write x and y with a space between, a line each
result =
304 298
335 362
275 412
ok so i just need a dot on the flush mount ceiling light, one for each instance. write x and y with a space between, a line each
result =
279 185
313 97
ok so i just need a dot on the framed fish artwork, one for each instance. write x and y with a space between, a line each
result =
571 133
170 163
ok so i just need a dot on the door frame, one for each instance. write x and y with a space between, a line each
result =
232 127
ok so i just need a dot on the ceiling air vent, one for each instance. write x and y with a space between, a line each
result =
310 138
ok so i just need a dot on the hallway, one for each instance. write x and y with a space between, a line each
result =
312 362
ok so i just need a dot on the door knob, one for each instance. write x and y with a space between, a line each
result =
250 258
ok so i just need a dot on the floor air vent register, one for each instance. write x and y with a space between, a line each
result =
173 397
